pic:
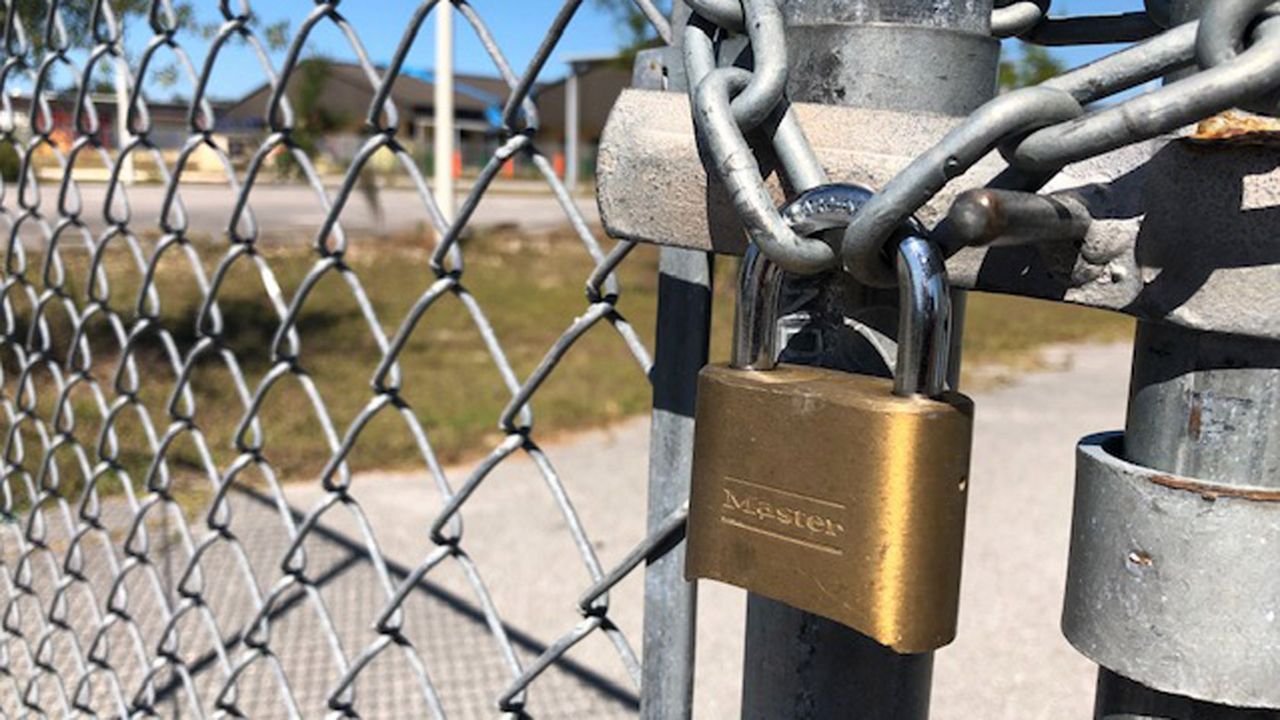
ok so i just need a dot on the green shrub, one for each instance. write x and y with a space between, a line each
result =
10 162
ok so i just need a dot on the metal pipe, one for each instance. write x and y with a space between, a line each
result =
571 142
443 111
123 137
1205 406
670 607
1094 30
853 52
1181 379
815 668
908 55
1120 698
680 350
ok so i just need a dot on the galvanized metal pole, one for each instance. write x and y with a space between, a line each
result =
1203 406
1182 383
681 346
571 129
933 56
443 111
670 610
124 137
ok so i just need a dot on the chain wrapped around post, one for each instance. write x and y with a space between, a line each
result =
1038 130
729 102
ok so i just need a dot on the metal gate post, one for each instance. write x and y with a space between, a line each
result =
1182 378
1204 406
670 608
683 335
933 56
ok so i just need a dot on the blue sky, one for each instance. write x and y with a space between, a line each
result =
1074 56
518 25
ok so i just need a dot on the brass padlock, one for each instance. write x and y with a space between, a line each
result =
840 494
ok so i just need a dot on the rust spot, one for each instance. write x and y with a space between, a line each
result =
1194 418
1213 492
1139 558
1237 128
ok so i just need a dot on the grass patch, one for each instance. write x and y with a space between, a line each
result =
1009 331
530 289
1003 332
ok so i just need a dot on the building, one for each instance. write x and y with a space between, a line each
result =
169 131
346 93
600 80
572 113
168 120
578 106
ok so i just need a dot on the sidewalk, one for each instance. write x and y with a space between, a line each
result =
1010 661
296 209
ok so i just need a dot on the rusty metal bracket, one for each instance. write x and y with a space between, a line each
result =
1172 580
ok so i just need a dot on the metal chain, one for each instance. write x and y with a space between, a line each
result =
107 597
1029 20
1038 130
728 102
1041 129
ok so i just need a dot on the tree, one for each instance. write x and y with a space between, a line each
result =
313 119
77 16
1032 66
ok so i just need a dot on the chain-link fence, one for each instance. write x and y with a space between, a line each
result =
163 547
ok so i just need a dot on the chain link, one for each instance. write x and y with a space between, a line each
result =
1029 20
722 123
113 601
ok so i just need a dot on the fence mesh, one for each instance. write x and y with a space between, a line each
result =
154 556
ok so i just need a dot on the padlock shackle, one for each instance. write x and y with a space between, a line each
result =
924 320
756 338
755 325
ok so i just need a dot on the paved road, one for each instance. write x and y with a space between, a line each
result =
1010 662
294 208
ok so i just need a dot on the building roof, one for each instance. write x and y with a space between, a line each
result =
65 99
490 84
600 81
412 90
590 58
477 98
